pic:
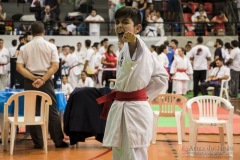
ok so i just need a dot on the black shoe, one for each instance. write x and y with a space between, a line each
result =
37 147
62 145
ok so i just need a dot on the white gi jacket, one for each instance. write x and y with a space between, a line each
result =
141 71
181 63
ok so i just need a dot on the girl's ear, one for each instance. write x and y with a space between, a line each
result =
138 28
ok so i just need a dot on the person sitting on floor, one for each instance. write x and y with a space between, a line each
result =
219 73
85 81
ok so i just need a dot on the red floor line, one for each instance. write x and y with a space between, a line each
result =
100 155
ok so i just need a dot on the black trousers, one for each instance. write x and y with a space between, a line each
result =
198 76
108 75
205 85
54 125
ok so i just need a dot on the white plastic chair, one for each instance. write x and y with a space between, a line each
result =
208 116
28 118
223 90
167 108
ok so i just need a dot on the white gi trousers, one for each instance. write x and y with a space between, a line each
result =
130 153
181 86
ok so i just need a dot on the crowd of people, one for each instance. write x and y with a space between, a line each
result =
94 64
154 13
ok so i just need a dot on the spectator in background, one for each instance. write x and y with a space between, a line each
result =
201 23
48 17
52 40
151 28
149 9
94 28
238 9
111 13
13 49
200 55
23 40
142 6
120 46
173 10
153 49
219 73
219 26
170 56
4 60
85 81
109 60
160 25
66 87
219 53
129 2
197 11
234 66
120 4
55 7
3 16
181 70
228 48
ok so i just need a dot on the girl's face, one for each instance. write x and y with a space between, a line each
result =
111 48
0 7
165 50
64 79
180 52
83 75
124 25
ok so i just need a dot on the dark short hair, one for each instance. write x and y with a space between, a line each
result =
227 45
88 42
200 39
37 28
95 44
166 43
14 42
234 43
175 41
219 41
129 12
220 59
154 47
161 48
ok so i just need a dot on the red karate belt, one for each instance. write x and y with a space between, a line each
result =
139 95
169 75
181 70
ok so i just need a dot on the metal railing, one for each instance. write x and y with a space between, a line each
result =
170 28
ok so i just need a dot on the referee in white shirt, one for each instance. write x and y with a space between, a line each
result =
37 61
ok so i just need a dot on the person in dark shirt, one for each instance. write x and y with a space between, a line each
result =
23 40
219 52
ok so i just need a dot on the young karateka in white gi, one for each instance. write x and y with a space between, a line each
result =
181 69
129 123
163 60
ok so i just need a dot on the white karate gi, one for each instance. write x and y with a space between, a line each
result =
4 60
181 78
74 72
129 123
88 82
163 60
67 89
